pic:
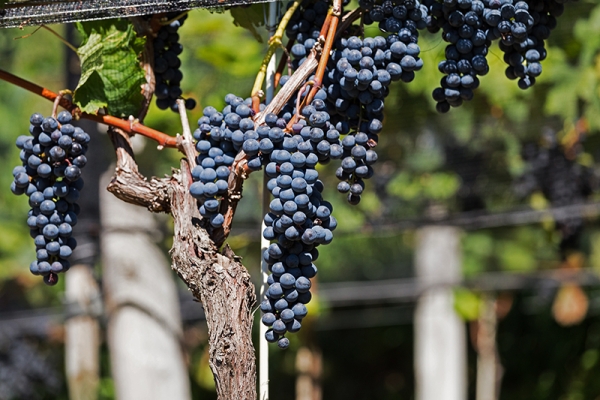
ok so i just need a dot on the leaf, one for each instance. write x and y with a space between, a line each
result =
441 185
517 256
467 304
111 75
250 18
404 187
90 95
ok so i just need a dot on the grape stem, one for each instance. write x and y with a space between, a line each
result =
285 58
275 42
300 103
287 91
347 20
334 19
187 143
163 139
239 173
56 104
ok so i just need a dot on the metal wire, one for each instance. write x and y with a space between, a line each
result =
263 359
18 13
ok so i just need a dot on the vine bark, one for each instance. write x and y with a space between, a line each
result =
217 279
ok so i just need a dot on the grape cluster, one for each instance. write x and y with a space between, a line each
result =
220 137
167 74
470 26
50 176
26 369
464 26
560 178
358 79
299 219
357 84
523 55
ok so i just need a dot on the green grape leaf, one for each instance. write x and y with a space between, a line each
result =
250 18
3 3
111 75
467 304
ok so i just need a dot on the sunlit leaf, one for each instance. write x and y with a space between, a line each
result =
111 75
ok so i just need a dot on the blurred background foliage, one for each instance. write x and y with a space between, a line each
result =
431 166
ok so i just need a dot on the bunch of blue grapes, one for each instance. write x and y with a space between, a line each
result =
563 181
50 175
358 79
299 219
524 56
466 27
220 137
167 74
357 85
471 25
360 73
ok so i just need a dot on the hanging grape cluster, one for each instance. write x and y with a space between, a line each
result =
50 175
167 72
554 171
470 26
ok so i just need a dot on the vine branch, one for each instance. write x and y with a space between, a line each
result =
275 42
130 127
187 143
293 84
347 20
334 19
285 58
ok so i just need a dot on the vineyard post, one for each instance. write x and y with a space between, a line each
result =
440 337
82 293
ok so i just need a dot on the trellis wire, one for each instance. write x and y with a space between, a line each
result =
19 13
263 356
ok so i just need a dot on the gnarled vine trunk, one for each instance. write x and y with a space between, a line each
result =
217 279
